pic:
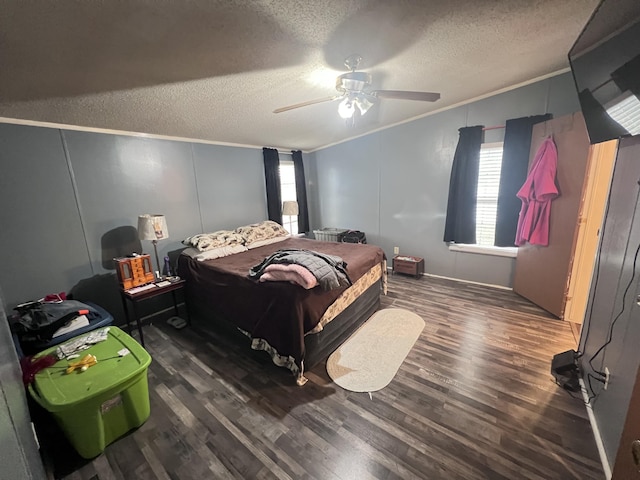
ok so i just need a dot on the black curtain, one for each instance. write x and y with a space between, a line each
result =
301 192
515 164
460 225
272 181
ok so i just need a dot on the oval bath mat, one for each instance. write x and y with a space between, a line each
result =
370 358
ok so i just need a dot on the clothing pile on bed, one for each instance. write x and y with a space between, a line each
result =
303 267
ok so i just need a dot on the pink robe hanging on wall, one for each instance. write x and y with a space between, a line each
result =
537 192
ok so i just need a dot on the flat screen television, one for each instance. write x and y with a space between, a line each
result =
605 62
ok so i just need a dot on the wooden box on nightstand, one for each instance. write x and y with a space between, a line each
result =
408 265
134 271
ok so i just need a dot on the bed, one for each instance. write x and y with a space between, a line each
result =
297 327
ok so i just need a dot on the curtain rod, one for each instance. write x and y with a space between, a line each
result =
495 127
286 152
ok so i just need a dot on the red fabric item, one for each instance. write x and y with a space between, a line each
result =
31 366
55 297
537 192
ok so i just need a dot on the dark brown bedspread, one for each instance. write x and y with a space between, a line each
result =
278 312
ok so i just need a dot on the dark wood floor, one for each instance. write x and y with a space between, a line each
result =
473 400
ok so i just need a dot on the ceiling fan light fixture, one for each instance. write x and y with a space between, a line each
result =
346 108
363 104
353 82
357 97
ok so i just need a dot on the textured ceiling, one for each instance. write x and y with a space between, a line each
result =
216 70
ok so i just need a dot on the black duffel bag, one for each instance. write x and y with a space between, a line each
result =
354 236
40 320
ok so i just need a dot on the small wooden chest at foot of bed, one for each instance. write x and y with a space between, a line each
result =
408 265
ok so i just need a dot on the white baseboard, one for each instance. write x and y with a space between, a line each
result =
596 432
469 281
390 269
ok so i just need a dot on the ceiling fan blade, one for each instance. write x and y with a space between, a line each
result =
304 104
406 95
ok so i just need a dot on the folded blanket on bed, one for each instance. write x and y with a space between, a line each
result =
329 270
289 272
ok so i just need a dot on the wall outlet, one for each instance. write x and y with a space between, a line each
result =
396 250
606 377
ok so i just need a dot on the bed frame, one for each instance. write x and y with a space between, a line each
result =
318 346
207 314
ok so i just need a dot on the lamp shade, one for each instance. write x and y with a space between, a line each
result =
152 227
289 208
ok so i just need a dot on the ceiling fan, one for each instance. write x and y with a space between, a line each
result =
353 89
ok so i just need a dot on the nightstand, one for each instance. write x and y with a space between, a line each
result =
144 292
408 265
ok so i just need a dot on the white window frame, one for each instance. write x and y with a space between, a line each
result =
486 249
286 172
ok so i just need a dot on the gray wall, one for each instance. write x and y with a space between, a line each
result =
71 199
19 456
393 184
70 202
614 275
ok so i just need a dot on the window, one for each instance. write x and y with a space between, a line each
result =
288 193
487 196
627 113
487 205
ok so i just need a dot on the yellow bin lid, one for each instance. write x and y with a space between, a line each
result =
56 390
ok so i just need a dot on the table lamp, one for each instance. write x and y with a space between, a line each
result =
154 228
290 208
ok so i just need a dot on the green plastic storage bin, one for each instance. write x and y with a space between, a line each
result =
99 405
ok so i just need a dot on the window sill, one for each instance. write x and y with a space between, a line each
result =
484 250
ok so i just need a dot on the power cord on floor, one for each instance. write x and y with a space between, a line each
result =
594 396
568 391
591 399
624 304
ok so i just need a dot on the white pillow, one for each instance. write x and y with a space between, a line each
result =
209 241
260 231
214 252
266 241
